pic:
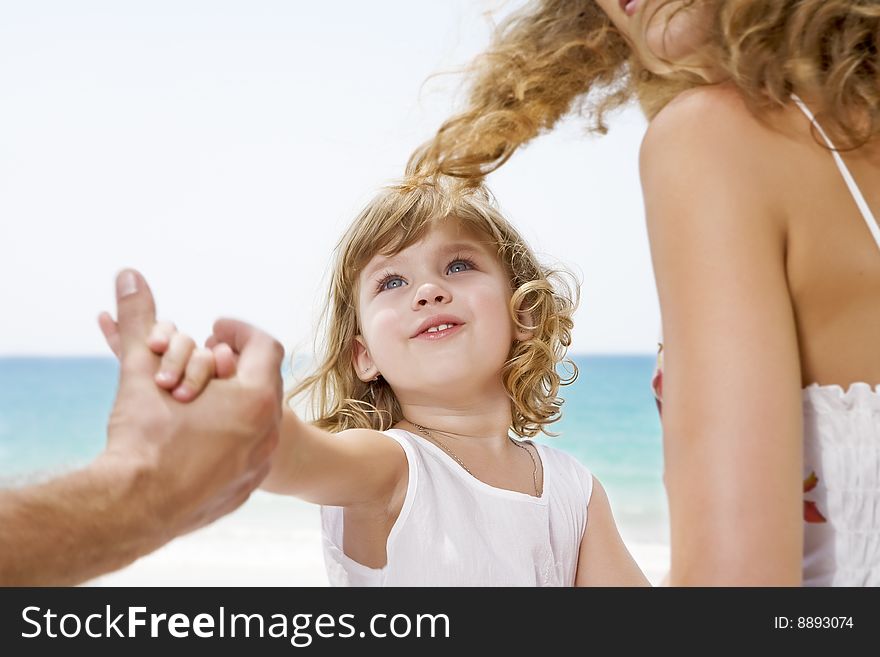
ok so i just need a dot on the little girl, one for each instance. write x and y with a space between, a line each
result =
443 334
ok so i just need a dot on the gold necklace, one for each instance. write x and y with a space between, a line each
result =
459 461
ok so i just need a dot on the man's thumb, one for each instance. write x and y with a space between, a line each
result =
135 311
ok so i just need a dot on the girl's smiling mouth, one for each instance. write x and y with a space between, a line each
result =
439 332
437 326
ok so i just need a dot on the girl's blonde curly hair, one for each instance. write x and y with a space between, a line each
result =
398 217
553 57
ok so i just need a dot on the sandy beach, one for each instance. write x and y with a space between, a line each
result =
274 541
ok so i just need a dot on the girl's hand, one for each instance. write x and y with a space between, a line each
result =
185 370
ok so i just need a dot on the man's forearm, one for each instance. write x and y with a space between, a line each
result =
74 528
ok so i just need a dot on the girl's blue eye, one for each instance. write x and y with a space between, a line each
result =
463 264
391 283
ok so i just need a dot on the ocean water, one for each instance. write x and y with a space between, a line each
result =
610 423
53 414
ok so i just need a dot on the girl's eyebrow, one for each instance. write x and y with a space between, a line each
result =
387 261
461 246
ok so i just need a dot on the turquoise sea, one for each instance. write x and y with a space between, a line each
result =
53 413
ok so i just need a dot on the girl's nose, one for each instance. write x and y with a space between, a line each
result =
430 293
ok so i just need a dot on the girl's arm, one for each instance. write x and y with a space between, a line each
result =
732 423
603 559
357 467
352 467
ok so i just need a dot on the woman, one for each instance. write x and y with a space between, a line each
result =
765 248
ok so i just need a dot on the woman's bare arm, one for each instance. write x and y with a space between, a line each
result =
732 401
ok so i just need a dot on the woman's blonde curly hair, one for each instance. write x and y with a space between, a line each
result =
555 57
401 215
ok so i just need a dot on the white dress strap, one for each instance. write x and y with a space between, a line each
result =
867 215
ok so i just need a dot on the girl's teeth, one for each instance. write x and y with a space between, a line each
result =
442 327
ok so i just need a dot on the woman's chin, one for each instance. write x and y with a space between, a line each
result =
674 36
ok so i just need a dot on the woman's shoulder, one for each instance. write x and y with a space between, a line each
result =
706 152
711 120
705 108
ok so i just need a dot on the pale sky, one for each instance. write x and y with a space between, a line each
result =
221 147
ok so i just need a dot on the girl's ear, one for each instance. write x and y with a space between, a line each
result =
364 367
525 319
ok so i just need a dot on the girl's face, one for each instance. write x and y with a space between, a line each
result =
660 30
452 283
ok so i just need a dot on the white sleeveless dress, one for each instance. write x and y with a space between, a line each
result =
841 458
455 530
842 461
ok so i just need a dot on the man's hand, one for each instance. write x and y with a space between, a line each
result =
168 468
190 463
